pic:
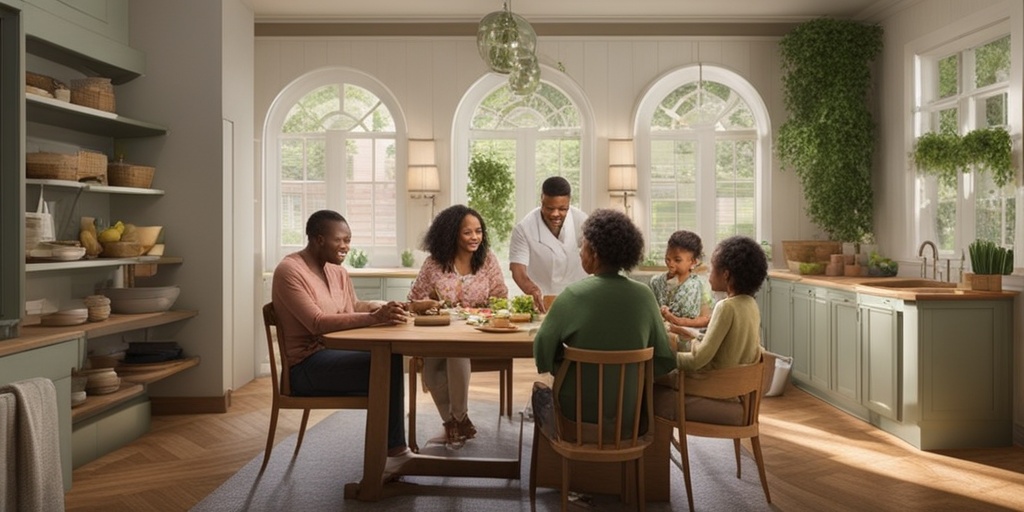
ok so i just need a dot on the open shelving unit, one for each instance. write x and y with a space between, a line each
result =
53 112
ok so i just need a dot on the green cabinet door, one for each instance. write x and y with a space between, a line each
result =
820 363
845 345
780 321
881 350
803 330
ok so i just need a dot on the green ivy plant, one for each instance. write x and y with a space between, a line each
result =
491 192
947 154
829 139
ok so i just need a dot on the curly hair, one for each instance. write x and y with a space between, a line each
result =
317 223
442 239
614 238
687 241
744 259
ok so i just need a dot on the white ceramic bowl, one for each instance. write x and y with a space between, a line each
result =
141 292
136 306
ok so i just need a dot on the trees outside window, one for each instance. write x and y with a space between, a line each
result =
963 85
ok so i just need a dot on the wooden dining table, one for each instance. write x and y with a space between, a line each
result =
454 340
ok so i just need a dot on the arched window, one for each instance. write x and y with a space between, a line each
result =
538 136
332 142
703 137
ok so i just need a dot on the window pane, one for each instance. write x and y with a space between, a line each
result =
360 160
992 62
945 218
359 213
734 189
947 121
558 158
316 159
384 161
995 110
673 191
548 108
291 159
949 76
385 218
308 114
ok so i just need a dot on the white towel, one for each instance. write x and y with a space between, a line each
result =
34 430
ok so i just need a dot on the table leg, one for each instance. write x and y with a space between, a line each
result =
375 450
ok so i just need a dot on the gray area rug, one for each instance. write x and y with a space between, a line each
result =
332 455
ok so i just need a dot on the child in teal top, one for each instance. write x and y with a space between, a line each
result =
684 298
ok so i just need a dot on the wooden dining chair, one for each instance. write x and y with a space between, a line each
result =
736 417
503 366
282 397
608 440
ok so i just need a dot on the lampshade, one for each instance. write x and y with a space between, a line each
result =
622 178
423 179
620 152
421 152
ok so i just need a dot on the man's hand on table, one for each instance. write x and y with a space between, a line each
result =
391 313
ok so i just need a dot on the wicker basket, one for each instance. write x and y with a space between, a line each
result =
121 250
121 174
93 92
51 166
92 166
43 82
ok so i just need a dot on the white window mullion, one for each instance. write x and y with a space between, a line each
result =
336 170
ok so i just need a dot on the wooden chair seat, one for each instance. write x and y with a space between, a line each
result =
504 366
281 388
607 440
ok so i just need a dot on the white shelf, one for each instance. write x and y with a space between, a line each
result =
97 188
102 262
53 112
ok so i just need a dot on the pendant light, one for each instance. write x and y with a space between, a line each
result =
507 44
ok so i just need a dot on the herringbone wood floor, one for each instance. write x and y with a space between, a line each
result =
817 457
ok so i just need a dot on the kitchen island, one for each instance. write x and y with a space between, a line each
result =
925 361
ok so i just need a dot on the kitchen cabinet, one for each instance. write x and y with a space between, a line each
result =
780 319
54 359
844 341
880 329
934 370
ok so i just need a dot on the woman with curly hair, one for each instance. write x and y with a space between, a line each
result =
605 311
460 270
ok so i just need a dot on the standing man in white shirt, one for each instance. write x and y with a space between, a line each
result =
544 251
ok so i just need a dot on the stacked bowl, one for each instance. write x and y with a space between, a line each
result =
152 299
101 381
67 317
98 306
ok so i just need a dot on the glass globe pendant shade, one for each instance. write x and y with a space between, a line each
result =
525 76
499 38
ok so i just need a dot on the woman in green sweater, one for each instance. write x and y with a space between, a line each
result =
605 311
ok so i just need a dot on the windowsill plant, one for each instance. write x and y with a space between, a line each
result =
989 262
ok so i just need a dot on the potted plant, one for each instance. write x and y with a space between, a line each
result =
829 138
491 193
357 258
947 154
989 263
408 260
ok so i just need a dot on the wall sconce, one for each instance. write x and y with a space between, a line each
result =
423 180
622 177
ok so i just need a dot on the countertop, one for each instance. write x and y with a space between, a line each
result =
864 285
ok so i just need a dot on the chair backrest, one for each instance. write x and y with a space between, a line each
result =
631 371
743 382
282 384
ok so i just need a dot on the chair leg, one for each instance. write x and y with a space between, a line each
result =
501 392
641 495
684 455
736 445
508 390
413 446
755 443
302 432
565 484
533 465
270 437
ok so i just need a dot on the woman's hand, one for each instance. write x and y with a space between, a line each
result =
421 307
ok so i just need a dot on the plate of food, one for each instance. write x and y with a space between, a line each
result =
488 328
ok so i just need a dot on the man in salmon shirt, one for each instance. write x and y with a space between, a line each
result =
313 295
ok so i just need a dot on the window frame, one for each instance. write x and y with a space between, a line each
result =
923 56
277 114
763 162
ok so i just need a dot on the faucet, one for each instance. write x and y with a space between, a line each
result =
935 259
